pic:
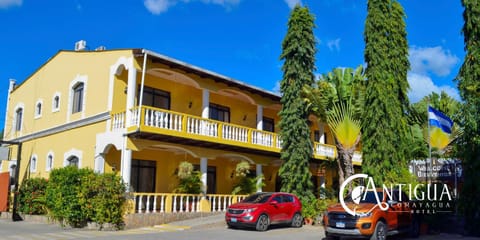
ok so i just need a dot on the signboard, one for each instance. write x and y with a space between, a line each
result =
436 169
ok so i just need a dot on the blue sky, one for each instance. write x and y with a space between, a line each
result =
237 38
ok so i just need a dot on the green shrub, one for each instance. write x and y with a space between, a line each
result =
31 197
77 196
108 202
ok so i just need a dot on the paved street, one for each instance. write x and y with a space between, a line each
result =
211 228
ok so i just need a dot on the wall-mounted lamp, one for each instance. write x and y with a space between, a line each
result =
232 174
190 104
125 90
244 117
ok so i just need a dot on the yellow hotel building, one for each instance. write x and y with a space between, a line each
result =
139 114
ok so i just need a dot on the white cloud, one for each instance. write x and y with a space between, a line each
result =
422 85
334 45
160 6
434 60
291 3
10 3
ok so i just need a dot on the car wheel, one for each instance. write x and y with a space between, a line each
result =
262 223
380 231
415 228
297 220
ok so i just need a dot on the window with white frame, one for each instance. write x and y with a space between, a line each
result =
18 119
56 103
38 109
73 161
33 163
77 101
49 163
72 157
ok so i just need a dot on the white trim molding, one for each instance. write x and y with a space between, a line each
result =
59 95
49 167
19 105
73 153
33 163
38 114
78 79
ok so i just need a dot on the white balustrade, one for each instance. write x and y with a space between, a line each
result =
234 133
325 150
118 121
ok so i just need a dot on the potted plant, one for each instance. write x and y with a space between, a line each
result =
188 179
310 210
245 184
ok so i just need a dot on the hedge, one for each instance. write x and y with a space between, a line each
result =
77 196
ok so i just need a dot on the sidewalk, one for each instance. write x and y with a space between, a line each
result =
212 220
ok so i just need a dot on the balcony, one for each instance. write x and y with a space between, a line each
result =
173 124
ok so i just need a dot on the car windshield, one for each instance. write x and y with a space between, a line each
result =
368 197
257 198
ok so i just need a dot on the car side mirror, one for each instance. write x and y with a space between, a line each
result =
274 202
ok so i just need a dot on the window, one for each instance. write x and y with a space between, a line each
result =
49 164
268 124
72 161
38 109
56 103
33 164
78 98
219 112
155 98
143 174
18 119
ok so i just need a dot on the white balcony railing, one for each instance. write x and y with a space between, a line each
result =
185 125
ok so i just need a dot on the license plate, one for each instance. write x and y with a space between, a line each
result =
340 224
233 219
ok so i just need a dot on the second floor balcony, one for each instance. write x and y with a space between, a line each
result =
160 122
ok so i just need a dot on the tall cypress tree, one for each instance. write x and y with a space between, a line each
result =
299 63
468 81
386 101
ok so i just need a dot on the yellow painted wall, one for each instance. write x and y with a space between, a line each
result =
59 144
56 76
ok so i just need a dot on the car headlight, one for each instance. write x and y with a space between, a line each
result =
364 214
249 210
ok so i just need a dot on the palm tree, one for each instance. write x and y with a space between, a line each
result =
337 99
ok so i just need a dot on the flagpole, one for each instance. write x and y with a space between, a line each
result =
429 142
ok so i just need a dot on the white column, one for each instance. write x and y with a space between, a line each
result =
259 117
131 89
203 171
259 180
321 130
205 103
126 166
100 163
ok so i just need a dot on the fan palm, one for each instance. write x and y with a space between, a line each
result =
336 99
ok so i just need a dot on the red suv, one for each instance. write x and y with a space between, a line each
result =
259 210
